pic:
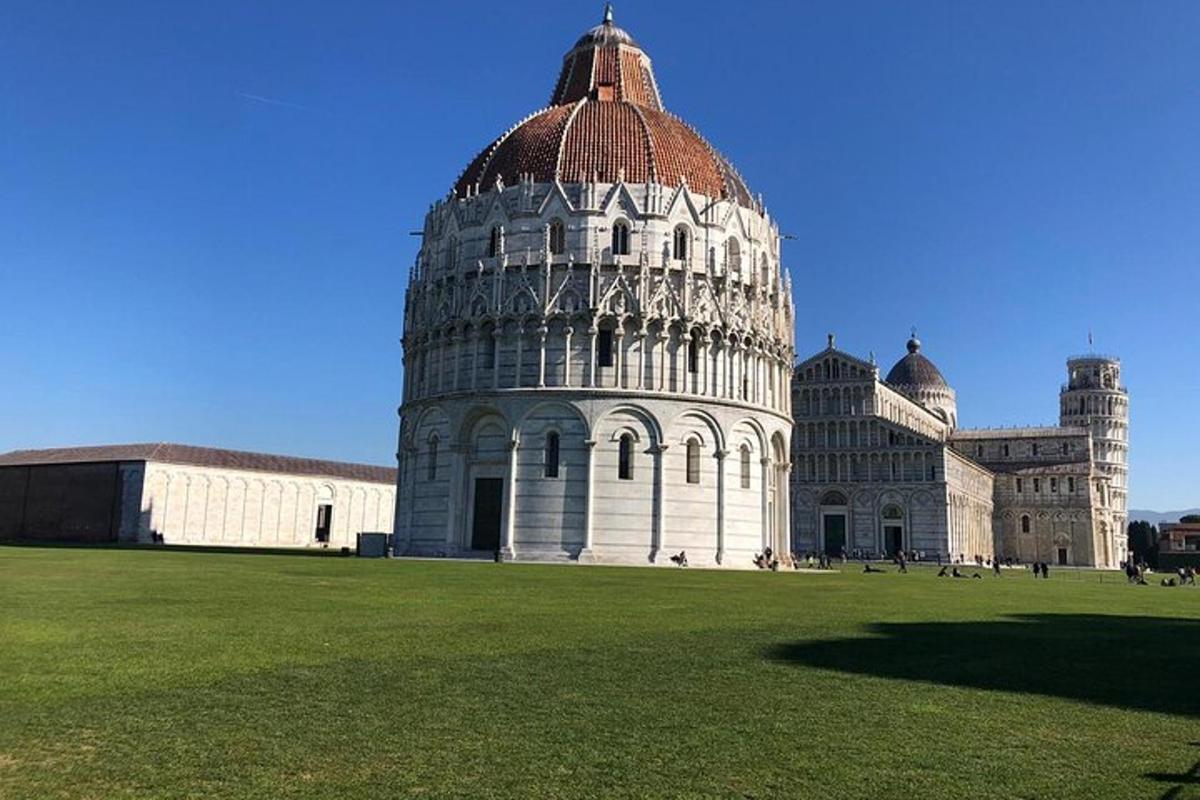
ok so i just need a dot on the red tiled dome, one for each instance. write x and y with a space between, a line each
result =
606 123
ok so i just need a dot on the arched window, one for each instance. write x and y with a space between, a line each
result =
620 239
745 466
733 255
680 251
558 237
604 348
494 242
451 253
693 355
765 270
1025 524
625 458
693 461
552 454
431 471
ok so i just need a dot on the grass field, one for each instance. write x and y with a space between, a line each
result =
138 674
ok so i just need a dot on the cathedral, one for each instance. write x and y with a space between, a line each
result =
880 465
600 366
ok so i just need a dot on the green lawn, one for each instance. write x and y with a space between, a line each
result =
180 674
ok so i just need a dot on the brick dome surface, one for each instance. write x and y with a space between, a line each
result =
606 123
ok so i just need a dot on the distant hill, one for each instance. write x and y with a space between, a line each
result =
1156 517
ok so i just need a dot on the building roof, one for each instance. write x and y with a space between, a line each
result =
201 457
605 123
1018 433
915 370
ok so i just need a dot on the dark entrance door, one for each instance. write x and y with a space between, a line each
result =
835 534
1062 556
894 537
324 522
485 527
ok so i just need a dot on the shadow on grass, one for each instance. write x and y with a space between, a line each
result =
1123 662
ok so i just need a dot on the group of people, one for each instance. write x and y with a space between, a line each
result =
1041 569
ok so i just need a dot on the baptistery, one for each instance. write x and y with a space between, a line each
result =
598 340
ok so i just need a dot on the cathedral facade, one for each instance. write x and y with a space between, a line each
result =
881 466
599 366
598 340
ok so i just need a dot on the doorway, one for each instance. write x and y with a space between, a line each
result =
835 534
485 518
893 537
1062 556
324 522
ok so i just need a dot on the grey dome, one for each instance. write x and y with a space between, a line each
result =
606 33
916 370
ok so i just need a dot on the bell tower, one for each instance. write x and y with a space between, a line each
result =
1094 398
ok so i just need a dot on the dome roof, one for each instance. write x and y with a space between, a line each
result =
915 370
605 123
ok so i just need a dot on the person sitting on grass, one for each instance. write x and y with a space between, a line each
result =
942 572
1167 582
680 559
954 573
868 568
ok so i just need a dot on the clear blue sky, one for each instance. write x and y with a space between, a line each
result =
204 207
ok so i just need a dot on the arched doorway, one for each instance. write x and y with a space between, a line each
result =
892 522
834 518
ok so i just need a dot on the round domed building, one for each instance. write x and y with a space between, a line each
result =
598 340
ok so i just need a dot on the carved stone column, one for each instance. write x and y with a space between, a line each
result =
721 454
507 550
658 537
586 556
570 331
542 331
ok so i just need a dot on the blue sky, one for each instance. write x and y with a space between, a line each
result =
205 207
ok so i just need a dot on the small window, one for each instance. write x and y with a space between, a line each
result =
1035 448
680 251
431 472
451 253
745 467
1037 485
1025 524
1071 485
733 255
551 455
488 343
693 461
979 450
558 237
1020 486
1066 448
1054 485
604 348
693 355
620 239
1006 451
625 458
494 243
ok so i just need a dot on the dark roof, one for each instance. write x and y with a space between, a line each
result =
916 370
201 457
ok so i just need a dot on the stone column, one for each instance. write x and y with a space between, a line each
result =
507 550
592 331
619 357
453 542
586 556
570 331
766 491
641 367
660 344
497 333
520 354
721 454
784 498
542 331
703 356
658 539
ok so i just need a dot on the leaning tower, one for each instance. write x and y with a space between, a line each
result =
1094 398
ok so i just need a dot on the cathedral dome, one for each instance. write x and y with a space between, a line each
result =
915 370
606 123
